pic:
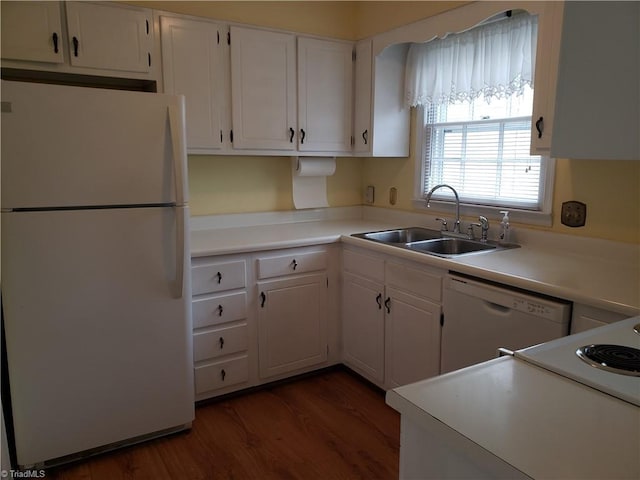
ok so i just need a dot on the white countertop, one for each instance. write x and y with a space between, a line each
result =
573 274
499 405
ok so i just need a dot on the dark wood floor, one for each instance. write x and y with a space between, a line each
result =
327 426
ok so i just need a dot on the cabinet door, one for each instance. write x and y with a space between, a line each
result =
32 31
412 340
363 326
325 84
544 93
109 37
362 122
192 66
292 324
263 89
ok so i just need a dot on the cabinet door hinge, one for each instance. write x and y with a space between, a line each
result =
442 319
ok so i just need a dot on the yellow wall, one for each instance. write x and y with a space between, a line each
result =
220 184
611 189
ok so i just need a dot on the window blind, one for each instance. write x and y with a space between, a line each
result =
486 161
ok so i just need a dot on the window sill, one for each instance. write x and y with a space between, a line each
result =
526 217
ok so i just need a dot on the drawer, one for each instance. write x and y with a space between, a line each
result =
413 280
210 311
217 277
218 375
219 342
363 265
289 264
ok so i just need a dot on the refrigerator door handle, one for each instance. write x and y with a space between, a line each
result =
178 289
177 130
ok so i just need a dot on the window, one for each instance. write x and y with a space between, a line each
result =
474 92
481 149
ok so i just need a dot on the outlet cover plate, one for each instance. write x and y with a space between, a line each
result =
573 214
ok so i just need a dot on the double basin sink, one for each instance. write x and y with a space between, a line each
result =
432 242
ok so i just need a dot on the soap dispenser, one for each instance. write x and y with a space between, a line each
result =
504 227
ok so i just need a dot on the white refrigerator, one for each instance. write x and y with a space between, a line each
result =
95 269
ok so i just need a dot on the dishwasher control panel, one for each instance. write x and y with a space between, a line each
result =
553 310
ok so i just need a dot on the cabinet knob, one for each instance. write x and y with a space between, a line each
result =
219 277
223 374
221 343
220 309
294 264
540 126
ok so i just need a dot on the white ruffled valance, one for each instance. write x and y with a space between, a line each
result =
494 60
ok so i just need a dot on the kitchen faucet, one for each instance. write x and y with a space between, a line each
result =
456 225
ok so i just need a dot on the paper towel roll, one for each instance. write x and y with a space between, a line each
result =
309 177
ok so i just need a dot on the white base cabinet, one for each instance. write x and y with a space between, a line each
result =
222 332
391 316
292 324
263 316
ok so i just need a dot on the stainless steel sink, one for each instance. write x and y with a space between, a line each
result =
401 235
432 242
450 246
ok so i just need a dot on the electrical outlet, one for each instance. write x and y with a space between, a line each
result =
573 214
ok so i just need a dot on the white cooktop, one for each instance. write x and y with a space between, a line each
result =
559 356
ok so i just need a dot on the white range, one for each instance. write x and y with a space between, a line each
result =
542 413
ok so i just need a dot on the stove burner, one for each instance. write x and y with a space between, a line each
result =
612 358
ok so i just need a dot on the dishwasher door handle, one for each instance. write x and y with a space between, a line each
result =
496 308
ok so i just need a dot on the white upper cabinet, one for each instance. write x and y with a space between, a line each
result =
263 89
87 38
325 83
194 62
32 31
362 115
597 112
109 37
381 127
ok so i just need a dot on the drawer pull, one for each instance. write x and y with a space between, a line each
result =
387 304
223 374
220 309
263 298
219 276
294 264
379 301
55 42
76 45
221 343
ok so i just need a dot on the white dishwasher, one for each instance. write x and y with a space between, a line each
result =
480 317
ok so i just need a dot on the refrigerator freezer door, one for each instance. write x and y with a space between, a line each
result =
99 348
76 146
